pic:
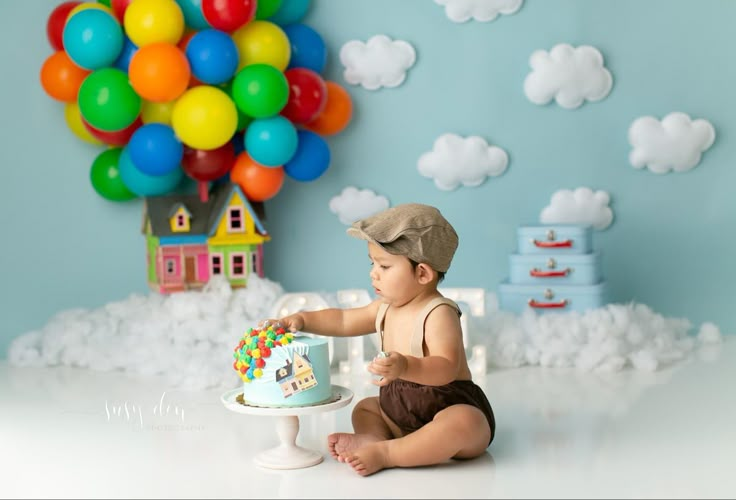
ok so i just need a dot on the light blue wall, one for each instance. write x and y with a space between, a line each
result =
672 242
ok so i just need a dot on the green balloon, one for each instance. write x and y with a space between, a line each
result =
107 101
105 176
243 119
260 90
267 8
106 3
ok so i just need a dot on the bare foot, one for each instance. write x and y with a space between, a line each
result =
341 443
369 459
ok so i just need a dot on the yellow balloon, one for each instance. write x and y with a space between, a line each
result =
157 112
150 21
262 42
74 121
89 5
204 117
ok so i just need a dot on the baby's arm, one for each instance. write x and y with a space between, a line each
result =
443 338
333 322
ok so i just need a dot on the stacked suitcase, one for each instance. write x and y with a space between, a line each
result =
555 270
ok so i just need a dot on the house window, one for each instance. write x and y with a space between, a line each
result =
237 265
254 263
216 263
181 221
235 220
170 265
293 386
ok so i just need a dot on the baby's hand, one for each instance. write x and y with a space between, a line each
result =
292 323
388 367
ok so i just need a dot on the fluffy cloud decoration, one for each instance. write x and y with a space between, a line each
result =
380 62
354 204
461 11
567 74
582 206
674 144
456 160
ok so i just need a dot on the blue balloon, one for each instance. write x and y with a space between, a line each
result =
193 15
154 149
146 185
213 56
290 11
123 60
308 50
238 141
311 159
271 141
93 39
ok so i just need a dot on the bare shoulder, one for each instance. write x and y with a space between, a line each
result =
442 320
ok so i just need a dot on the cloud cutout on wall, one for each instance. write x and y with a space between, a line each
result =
674 144
353 204
380 62
484 11
456 160
567 74
582 206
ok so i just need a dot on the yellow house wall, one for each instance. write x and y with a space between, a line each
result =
249 236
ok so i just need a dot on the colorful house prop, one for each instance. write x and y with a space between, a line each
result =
189 240
296 376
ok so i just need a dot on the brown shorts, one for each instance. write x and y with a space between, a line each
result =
411 406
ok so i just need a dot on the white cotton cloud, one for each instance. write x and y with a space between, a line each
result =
380 62
353 204
674 144
582 206
569 75
608 339
186 337
467 161
460 11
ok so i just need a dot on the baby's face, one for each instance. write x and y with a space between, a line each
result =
392 276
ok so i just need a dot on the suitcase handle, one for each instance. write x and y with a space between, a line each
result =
537 273
552 244
547 305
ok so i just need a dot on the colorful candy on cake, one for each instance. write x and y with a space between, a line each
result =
282 369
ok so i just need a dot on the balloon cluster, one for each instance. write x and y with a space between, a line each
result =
208 89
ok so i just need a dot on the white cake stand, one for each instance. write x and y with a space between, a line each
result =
288 455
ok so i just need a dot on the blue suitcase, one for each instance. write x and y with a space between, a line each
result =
545 299
557 269
555 238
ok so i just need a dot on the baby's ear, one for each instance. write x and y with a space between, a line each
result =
425 274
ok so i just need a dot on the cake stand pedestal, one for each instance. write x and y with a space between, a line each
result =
287 455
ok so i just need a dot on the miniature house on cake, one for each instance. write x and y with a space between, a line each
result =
188 241
296 376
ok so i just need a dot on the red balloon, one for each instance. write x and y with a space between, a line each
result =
228 15
56 22
118 8
116 137
307 95
206 165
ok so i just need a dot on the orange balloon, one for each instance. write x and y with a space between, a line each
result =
159 72
258 183
336 114
61 78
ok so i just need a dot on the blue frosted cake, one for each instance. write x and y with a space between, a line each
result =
280 369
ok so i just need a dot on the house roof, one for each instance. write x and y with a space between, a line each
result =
204 215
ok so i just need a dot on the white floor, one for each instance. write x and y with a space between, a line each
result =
65 433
